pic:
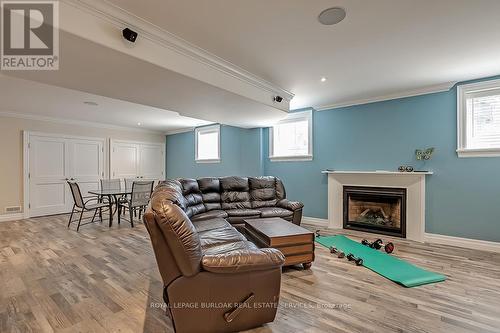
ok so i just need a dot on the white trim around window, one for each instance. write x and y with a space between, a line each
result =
465 121
293 117
207 130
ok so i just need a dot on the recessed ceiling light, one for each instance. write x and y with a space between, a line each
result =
332 16
323 79
90 103
138 124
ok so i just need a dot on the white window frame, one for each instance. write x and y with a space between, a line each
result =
206 129
292 117
462 92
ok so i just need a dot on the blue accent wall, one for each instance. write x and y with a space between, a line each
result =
463 195
241 155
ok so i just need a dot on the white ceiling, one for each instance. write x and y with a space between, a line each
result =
383 47
29 98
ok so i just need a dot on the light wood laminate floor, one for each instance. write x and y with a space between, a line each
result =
105 280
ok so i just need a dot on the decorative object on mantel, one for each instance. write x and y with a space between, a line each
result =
405 168
424 154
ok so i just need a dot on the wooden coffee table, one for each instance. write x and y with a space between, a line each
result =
296 243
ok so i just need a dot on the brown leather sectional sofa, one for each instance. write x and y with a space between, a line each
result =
215 280
238 198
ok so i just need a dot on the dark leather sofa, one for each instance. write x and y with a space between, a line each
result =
238 198
207 266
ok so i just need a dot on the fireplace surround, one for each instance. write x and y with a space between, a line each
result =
375 209
413 182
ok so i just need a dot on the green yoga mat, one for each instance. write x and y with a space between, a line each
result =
394 269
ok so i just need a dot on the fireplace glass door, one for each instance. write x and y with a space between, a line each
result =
375 209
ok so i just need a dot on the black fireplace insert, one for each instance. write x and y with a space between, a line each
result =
375 209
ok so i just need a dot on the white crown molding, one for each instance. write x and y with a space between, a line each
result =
121 18
467 243
180 130
402 94
11 217
29 116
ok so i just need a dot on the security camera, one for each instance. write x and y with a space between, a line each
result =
129 35
278 99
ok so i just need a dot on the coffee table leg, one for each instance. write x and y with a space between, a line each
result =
307 265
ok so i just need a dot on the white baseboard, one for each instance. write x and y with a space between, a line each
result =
11 217
468 243
315 221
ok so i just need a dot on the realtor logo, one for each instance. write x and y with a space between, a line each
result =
30 35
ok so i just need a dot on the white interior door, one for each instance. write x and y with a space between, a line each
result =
53 160
48 173
124 160
152 161
87 163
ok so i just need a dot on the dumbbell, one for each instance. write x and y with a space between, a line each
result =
377 245
358 261
333 250
317 233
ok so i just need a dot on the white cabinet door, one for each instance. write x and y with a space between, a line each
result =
87 163
48 173
124 160
55 159
152 161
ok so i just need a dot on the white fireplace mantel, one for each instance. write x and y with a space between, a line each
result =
414 182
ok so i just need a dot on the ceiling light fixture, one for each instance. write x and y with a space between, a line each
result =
332 16
90 103
138 124
323 79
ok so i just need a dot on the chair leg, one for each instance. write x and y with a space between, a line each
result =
119 214
100 214
71 216
131 213
79 221
95 213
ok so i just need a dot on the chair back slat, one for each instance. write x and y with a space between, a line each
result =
77 194
141 193
110 184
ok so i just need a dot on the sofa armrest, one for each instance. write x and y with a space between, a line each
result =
243 260
290 205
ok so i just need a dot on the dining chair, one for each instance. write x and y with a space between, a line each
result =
81 206
110 184
139 199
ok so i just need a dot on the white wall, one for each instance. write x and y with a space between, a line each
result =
11 149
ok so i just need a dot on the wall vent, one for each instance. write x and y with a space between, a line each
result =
13 209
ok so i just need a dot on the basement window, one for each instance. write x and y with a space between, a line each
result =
478 117
207 144
291 138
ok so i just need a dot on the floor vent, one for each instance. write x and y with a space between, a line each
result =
14 209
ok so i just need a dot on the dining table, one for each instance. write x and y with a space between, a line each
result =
113 195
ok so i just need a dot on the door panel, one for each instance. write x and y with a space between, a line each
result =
87 167
124 159
152 162
48 171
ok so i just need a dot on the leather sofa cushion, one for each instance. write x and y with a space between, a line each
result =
243 260
228 247
219 236
209 215
215 223
262 191
242 212
235 193
193 198
275 212
210 192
